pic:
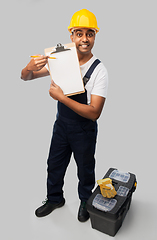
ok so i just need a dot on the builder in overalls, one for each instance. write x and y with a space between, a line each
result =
75 129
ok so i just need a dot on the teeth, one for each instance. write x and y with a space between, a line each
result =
84 46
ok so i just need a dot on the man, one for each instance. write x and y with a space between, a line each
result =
75 129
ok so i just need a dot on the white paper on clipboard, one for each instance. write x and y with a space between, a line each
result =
65 69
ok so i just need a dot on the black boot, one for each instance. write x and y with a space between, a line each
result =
47 208
83 214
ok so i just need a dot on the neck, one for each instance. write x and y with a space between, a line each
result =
83 58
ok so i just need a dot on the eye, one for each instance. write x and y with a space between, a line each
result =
90 35
79 34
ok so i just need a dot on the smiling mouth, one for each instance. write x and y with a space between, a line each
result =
84 46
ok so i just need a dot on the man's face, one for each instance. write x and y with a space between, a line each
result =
84 39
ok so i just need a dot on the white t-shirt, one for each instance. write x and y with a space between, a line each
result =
98 83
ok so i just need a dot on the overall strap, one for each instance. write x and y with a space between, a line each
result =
90 71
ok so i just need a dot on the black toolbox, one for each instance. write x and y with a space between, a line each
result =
109 221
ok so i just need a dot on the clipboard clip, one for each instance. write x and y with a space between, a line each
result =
60 48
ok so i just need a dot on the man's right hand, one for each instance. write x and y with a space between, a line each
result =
35 68
37 63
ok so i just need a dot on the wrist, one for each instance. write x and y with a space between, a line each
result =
28 68
62 98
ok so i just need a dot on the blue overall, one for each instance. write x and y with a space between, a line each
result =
72 134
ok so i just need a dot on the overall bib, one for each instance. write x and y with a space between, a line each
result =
72 134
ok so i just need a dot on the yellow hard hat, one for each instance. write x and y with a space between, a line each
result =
83 19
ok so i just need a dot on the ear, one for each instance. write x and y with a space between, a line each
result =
72 37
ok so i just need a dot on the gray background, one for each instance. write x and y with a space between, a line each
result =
126 44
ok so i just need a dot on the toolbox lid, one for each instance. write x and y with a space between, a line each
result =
122 199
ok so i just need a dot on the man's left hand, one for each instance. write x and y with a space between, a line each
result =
56 92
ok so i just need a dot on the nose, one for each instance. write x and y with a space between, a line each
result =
84 38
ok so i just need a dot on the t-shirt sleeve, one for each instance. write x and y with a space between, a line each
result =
101 82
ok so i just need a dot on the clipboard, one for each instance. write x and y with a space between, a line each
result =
65 69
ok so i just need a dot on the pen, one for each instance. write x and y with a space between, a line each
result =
39 56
